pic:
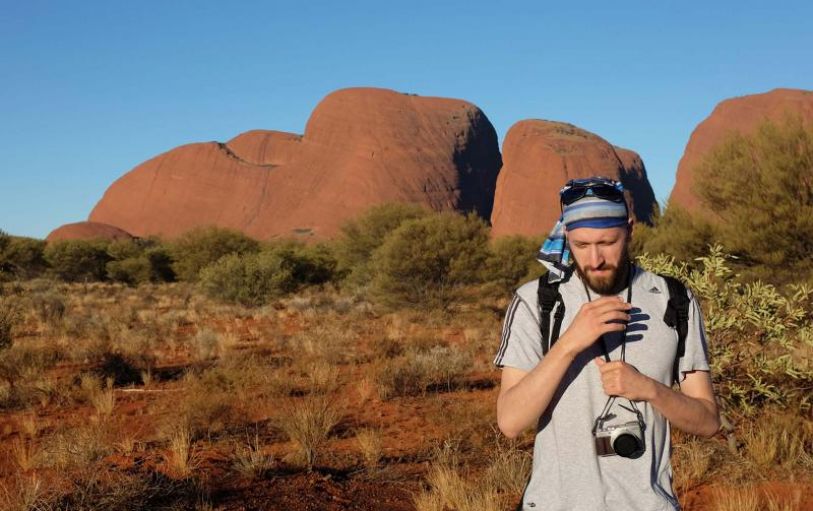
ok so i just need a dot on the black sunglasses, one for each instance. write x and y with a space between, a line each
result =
601 190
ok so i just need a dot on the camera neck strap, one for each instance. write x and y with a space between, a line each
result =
633 408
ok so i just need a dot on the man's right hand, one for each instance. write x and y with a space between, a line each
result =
594 319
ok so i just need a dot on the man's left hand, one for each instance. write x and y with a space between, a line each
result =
623 380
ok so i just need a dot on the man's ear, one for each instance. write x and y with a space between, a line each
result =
630 227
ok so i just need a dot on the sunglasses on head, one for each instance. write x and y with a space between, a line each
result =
577 189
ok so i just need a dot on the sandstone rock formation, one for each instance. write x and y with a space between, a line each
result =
87 231
361 147
540 156
743 115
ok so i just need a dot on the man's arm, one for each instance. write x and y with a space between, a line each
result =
525 395
692 409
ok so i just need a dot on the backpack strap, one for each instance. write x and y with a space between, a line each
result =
677 317
547 296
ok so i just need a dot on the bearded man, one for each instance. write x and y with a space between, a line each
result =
601 395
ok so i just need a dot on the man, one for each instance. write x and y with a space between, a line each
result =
601 396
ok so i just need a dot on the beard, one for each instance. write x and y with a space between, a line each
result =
612 280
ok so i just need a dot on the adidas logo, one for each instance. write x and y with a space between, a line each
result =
655 290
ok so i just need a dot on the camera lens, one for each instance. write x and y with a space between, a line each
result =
626 445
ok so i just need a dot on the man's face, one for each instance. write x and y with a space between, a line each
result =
600 256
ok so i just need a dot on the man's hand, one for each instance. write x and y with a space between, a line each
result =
594 319
623 380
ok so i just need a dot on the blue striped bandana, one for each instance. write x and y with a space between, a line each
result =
588 211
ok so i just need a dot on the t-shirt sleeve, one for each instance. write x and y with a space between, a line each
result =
696 356
521 345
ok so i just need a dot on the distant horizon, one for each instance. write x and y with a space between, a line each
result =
93 89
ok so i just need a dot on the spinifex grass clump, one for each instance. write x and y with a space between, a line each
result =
308 424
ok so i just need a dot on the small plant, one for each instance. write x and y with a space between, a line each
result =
182 457
308 424
449 489
25 454
104 400
23 494
250 461
439 368
691 462
371 447
9 316
509 469
745 498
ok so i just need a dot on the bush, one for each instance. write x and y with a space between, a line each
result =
21 257
425 261
760 341
310 264
676 233
78 260
512 261
254 279
139 261
204 246
759 187
362 236
251 279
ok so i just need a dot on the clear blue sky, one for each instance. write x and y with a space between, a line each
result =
90 89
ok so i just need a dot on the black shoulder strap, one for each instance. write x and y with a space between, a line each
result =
547 296
677 317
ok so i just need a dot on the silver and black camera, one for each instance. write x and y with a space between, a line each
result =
626 440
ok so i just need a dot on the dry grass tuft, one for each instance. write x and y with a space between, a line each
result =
449 490
371 446
775 439
417 371
250 461
182 457
23 494
308 424
25 454
691 461
745 498
509 469
784 503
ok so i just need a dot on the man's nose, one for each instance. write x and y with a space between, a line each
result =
596 258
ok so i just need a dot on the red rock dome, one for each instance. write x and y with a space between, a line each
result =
88 231
361 147
540 157
743 115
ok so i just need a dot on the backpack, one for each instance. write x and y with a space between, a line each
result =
676 315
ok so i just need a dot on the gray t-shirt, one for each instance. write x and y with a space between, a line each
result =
567 474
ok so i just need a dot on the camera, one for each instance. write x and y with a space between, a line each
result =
626 440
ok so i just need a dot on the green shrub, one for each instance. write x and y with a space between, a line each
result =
310 264
759 188
280 268
22 257
363 235
426 261
250 279
139 261
676 233
78 260
512 261
201 247
760 340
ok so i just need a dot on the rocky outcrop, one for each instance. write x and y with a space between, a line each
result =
741 115
540 157
361 147
88 231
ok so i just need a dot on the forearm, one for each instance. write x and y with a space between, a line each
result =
693 415
521 406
